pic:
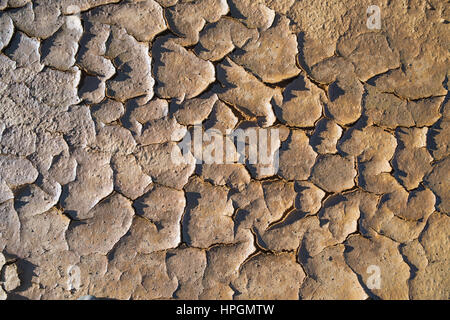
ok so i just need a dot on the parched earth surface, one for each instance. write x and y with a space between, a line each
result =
96 94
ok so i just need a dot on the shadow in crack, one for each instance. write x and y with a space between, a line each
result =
334 91
191 202
301 56
26 273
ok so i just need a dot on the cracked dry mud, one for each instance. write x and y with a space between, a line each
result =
94 95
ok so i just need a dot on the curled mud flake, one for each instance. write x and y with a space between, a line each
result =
267 276
91 54
194 111
43 233
389 274
151 123
244 91
166 164
56 88
60 49
223 265
17 171
187 19
345 95
233 175
221 118
340 213
7 29
431 280
320 24
107 111
412 160
142 19
254 14
425 112
386 110
133 67
325 137
189 279
373 148
10 227
110 220
37 198
93 90
329 277
333 173
422 78
39 19
370 53
302 103
129 179
297 157
94 181
25 52
272 56
438 181
5 191
207 222
279 197
296 232
232 34
161 226
309 197
179 73
10 277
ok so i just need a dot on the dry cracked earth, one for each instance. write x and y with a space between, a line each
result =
94 95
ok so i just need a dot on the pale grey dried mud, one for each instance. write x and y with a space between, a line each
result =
96 97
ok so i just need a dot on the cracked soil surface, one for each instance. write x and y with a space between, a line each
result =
95 94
